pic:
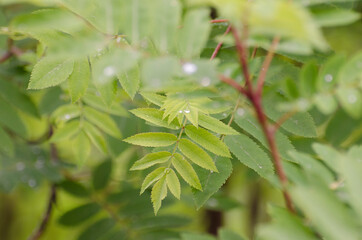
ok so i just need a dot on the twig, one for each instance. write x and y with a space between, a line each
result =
253 54
234 84
265 66
219 20
242 59
281 120
218 47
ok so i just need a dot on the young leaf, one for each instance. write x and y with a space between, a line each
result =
215 125
194 33
173 183
212 182
95 136
192 114
308 79
130 81
186 171
152 139
79 79
79 214
159 192
50 72
196 154
10 118
329 155
82 147
207 140
67 131
328 76
154 116
97 103
351 101
101 175
103 121
74 188
226 234
330 17
150 160
153 98
152 177
250 154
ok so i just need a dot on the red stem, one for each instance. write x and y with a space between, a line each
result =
218 47
219 20
255 98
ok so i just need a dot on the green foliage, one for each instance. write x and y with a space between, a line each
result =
116 103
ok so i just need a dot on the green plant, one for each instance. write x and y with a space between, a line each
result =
105 100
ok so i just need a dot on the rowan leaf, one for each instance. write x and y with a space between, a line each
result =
250 154
155 116
130 81
103 121
159 192
67 131
151 159
173 183
196 154
79 79
50 72
187 172
216 125
152 139
207 141
152 177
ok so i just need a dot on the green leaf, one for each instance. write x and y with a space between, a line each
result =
186 171
250 154
97 103
196 154
95 136
351 170
194 33
350 71
66 132
66 112
79 79
207 140
192 114
215 125
49 73
6 143
330 17
152 139
152 177
328 75
329 155
97 230
150 160
82 147
103 121
10 119
101 175
212 182
130 81
308 79
173 183
153 98
226 234
79 214
326 103
285 226
74 188
351 100
159 192
155 116
329 215
249 124
13 95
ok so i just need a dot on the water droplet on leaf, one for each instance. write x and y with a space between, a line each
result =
20 166
32 183
109 71
352 98
240 111
186 111
189 68
328 78
205 81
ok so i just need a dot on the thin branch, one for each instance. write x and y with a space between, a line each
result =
253 54
218 47
242 59
235 85
265 66
219 20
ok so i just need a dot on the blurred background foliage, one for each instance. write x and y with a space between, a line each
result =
98 197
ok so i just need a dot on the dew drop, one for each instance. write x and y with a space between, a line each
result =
67 117
189 68
180 111
39 164
109 71
205 81
224 114
20 166
186 111
328 78
118 39
32 183
211 171
240 111
260 166
352 98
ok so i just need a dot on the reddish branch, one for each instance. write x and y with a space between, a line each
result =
219 20
255 97
12 51
218 47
